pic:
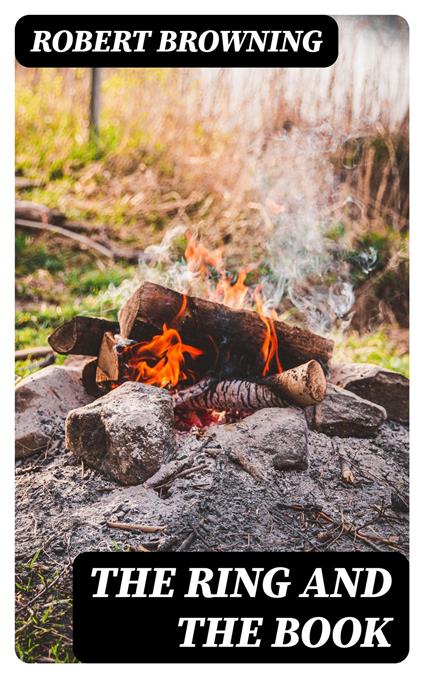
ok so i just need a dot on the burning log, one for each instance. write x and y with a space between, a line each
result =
238 333
233 395
82 335
303 385
88 377
108 363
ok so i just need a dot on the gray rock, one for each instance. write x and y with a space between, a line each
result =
42 401
372 382
345 414
280 432
127 434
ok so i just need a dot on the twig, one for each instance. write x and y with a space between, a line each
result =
43 591
350 531
182 474
346 472
136 527
191 537
169 471
246 464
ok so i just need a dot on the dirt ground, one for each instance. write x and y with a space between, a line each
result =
213 504
220 505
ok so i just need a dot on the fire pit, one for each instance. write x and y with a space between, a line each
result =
202 363
219 363
213 408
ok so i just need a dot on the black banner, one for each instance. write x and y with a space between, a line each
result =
241 607
175 41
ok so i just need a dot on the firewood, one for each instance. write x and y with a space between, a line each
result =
187 395
303 385
231 395
82 335
206 324
88 377
108 363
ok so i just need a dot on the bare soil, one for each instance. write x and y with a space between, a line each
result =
221 506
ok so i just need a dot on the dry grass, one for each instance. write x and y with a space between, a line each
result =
303 174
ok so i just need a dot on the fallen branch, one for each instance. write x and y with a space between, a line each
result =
33 211
23 184
109 251
33 353
58 230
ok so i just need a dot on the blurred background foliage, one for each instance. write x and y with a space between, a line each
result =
188 146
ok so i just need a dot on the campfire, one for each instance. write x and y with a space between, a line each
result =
219 363
175 364
219 359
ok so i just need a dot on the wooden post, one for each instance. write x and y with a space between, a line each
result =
95 104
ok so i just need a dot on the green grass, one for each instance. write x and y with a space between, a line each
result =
376 348
49 297
43 624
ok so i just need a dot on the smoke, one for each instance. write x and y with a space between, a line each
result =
299 195
295 186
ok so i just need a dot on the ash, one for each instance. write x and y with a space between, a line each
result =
209 500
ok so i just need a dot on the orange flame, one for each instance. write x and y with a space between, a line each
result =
160 361
233 294
200 260
269 348
198 257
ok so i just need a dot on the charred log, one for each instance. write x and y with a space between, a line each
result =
233 395
82 335
204 324
108 363
88 377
